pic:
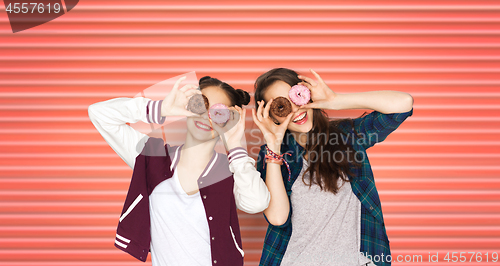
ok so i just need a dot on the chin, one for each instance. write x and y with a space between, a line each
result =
305 128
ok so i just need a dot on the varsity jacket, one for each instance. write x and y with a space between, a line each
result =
228 182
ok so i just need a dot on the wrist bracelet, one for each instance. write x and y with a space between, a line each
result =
274 158
270 159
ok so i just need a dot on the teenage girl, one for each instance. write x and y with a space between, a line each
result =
319 175
182 200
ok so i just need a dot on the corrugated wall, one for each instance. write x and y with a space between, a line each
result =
62 187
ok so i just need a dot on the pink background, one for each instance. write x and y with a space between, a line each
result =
62 187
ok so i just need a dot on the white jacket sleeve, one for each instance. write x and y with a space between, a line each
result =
250 191
110 118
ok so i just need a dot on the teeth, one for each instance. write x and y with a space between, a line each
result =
299 118
202 126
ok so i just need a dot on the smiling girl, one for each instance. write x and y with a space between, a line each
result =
319 175
182 200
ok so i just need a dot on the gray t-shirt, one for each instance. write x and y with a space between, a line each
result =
325 226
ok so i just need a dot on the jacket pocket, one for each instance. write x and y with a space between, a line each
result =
236 243
131 207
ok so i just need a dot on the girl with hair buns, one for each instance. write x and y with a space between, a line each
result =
318 172
182 200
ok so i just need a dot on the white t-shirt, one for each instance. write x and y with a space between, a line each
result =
170 207
179 227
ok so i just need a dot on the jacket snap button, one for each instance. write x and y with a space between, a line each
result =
215 261
210 218
213 238
201 182
204 196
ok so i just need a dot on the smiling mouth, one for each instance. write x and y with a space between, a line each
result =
202 126
300 118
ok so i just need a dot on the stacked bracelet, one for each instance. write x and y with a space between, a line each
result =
272 157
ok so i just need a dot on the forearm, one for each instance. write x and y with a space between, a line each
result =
110 119
279 206
250 191
385 101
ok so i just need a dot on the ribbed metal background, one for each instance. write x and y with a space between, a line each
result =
62 187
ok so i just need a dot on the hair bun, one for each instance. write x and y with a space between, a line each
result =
245 96
205 78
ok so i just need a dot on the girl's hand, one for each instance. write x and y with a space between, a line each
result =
273 134
321 95
233 130
175 102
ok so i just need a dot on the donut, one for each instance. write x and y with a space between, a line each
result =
281 106
299 94
219 113
198 104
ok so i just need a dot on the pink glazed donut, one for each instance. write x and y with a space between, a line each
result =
299 94
219 113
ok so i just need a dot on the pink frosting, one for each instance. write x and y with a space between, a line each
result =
219 113
299 94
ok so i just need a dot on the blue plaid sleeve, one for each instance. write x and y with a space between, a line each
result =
260 162
260 168
376 126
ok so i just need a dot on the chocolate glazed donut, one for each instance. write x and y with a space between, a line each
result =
198 104
281 106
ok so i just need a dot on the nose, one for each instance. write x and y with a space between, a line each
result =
205 115
295 108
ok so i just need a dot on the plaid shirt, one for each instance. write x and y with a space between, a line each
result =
372 128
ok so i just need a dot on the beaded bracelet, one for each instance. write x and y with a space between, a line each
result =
271 155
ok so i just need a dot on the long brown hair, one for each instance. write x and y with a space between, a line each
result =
325 173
